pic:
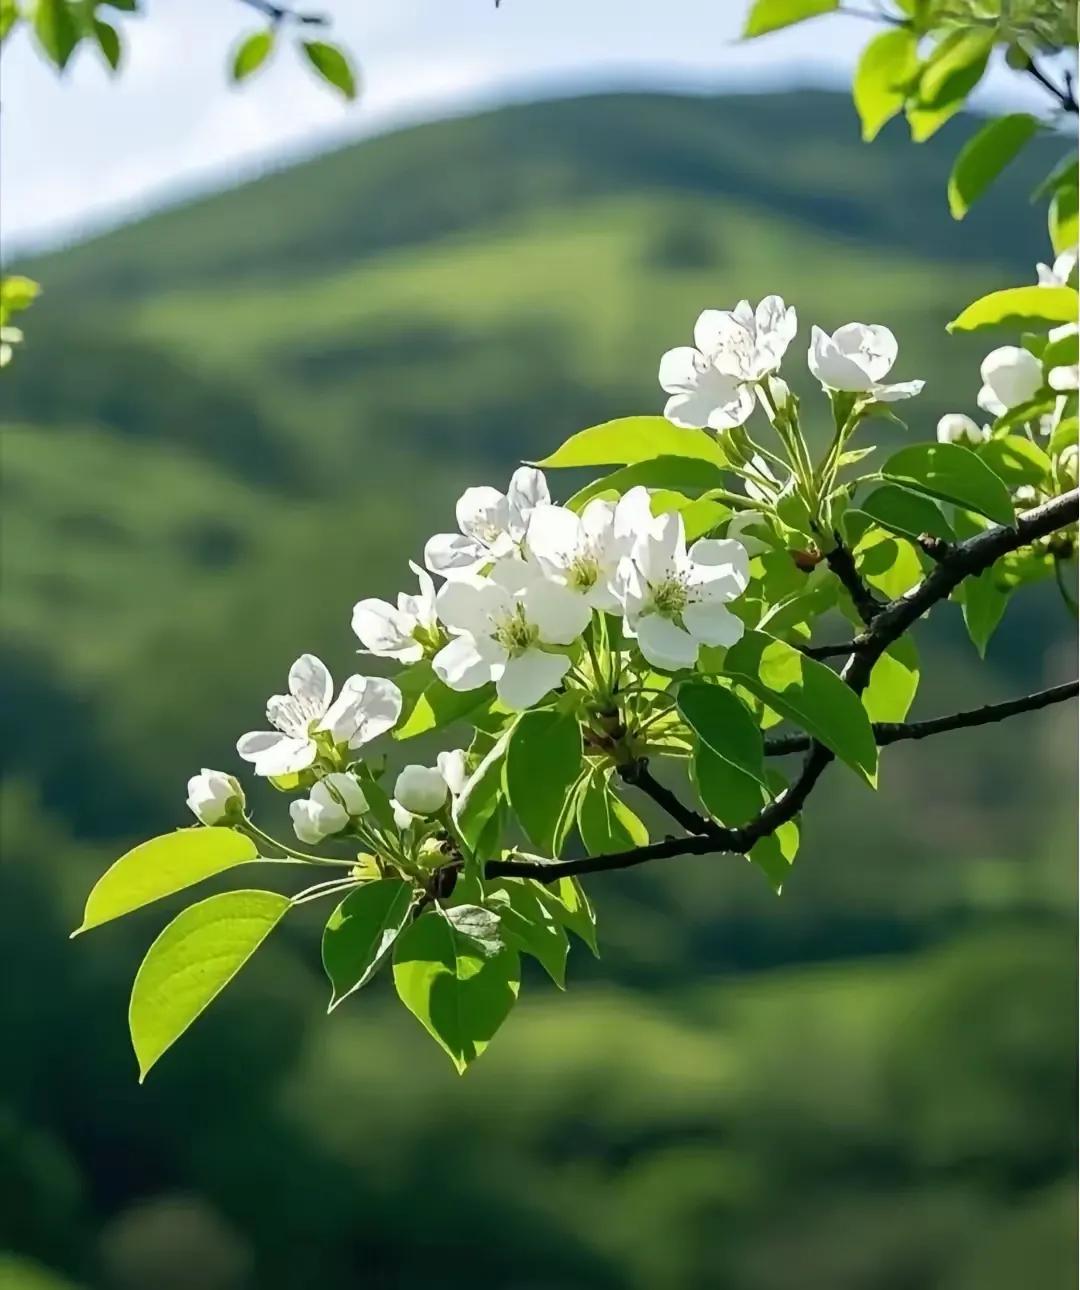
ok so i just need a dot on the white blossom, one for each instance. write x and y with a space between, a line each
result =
500 627
955 427
397 631
582 552
366 707
333 801
9 338
421 790
1011 375
214 797
453 767
1059 273
856 358
740 529
492 525
675 600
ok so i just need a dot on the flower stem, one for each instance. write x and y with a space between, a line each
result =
304 857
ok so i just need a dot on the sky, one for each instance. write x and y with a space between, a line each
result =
87 150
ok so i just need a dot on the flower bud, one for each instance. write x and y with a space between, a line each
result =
334 800
1010 376
955 427
214 797
421 790
1026 495
779 392
737 531
1068 463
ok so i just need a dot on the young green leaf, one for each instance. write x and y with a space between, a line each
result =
460 995
910 514
893 682
1016 460
985 156
360 933
656 472
568 902
9 16
161 867
251 53
531 927
479 800
192 961
881 79
108 39
983 599
771 15
628 440
332 64
1020 308
606 824
808 693
543 763
56 30
723 724
1062 218
429 704
953 473
948 76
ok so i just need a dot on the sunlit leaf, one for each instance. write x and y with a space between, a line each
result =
332 64
360 933
771 15
543 763
629 440
882 76
893 682
252 52
953 473
984 156
1021 308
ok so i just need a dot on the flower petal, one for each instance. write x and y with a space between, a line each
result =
528 490
665 644
529 676
720 565
482 514
382 630
311 684
901 390
559 614
870 345
472 605
554 536
680 369
712 623
370 705
276 754
467 663
835 370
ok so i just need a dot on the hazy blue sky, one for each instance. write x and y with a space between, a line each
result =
87 149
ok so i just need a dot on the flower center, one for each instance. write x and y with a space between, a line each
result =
583 573
670 597
515 633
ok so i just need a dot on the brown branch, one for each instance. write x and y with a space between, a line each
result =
842 563
638 774
894 732
965 559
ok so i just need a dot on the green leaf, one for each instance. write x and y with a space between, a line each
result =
1021 308
332 64
884 71
479 799
108 39
887 563
656 472
1016 460
606 824
911 514
983 599
543 763
568 902
724 725
808 693
628 440
429 704
251 53
360 932
985 156
893 682
460 995
192 961
56 30
9 15
733 799
953 473
161 867
1062 218
1067 171
771 15
948 76
532 928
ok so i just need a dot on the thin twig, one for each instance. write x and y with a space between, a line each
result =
638 774
842 563
893 732
1066 97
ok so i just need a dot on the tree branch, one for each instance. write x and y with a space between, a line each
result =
638 774
965 559
1066 97
282 12
842 563
894 732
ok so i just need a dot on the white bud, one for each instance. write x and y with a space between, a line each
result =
955 427
737 531
1011 376
452 768
421 790
334 800
214 797
1026 495
779 392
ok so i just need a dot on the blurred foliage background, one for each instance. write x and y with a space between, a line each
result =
232 420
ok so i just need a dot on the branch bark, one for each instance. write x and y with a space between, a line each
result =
842 563
965 559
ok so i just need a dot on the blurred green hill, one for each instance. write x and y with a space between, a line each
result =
236 417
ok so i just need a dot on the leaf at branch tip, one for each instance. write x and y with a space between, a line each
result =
531 927
1020 308
808 693
606 824
985 156
253 51
332 64
108 40
629 440
360 933
162 867
56 30
772 15
893 682
885 68
953 473
458 994
656 472
192 961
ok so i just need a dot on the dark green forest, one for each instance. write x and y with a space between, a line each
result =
867 1083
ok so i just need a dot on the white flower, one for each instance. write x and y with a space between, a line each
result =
955 427
764 487
737 531
214 797
582 552
9 337
367 706
702 395
390 631
492 525
453 768
675 600
500 627
1011 376
333 801
1059 273
421 790
857 358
